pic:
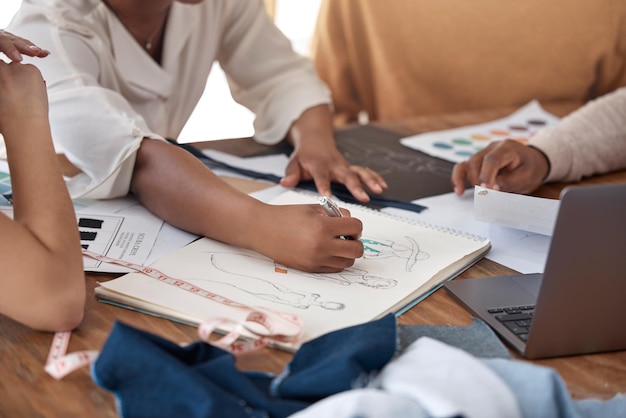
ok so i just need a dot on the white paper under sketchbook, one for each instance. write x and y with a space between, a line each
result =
402 263
168 239
119 228
459 144
123 237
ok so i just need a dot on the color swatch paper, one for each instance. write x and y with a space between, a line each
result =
457 145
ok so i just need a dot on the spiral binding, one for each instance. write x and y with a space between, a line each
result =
426 225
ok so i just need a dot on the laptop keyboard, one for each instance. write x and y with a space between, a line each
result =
516 318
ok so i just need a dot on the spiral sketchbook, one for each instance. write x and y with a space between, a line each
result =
403 262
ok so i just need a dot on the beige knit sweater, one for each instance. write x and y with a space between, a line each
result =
591 140
401 58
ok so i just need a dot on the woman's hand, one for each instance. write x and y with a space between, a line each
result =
509 166
316 157
13 47
304 237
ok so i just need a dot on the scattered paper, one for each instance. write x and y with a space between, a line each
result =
128 238
459 144
158 238
528 213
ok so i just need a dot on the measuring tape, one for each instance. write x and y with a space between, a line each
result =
59 364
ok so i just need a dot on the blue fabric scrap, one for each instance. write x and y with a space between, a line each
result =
152 377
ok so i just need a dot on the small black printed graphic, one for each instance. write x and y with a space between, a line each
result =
90 223
88 236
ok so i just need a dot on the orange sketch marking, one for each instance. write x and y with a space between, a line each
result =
280 270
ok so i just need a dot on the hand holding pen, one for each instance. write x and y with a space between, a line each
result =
304 236
331 208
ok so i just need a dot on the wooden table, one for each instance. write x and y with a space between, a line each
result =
27 391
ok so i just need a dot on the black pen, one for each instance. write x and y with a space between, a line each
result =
332 209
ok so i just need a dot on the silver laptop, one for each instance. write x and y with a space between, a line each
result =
578 305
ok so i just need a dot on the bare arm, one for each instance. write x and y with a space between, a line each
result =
42 283
194 199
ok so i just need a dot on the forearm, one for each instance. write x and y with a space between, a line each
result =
41 253
192 198
313 129
41 201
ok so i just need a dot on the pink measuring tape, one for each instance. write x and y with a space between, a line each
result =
60 364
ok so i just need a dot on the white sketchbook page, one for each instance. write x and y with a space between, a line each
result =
401 258
459 144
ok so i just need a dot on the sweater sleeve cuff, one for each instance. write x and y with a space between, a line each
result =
552 142
547 160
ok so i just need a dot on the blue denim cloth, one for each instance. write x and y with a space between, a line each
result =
476 339
152 377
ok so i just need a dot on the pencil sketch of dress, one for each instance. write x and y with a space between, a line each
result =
264 289
261 283
380 248
347 277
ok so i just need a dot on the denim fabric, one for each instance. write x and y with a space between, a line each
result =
154 378
151 377
338 361
478 339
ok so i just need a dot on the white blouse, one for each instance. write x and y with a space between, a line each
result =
107 94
